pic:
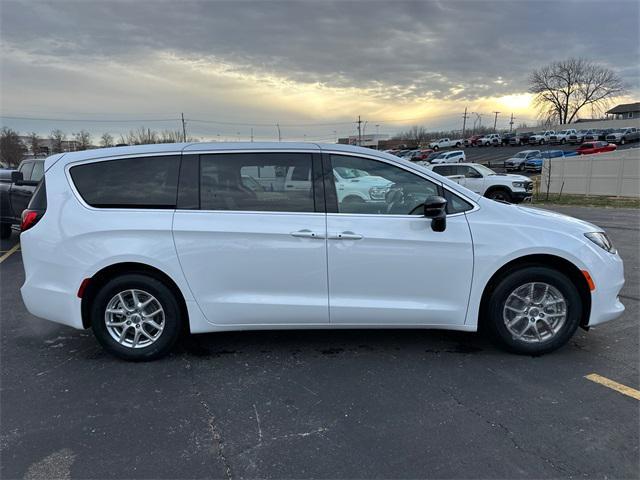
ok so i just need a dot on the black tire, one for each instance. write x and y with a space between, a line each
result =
521 143
458 145
563 141
623 141
542 142
493 312
168 301
501 194
5 230
436 148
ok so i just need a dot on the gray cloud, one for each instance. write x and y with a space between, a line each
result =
401 50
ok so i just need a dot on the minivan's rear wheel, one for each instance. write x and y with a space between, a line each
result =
136 317
534 310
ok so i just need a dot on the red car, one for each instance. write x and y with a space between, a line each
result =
472 141
422 154
595 147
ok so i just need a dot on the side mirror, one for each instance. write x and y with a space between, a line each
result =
435 208
17 178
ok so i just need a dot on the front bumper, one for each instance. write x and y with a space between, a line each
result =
520 196
605 302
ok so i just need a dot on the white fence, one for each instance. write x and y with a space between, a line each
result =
612 174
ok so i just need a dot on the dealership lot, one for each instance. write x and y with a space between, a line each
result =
321 404
494 157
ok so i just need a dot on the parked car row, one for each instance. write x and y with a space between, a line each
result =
532 160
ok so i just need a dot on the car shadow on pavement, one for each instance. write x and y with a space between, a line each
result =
332 342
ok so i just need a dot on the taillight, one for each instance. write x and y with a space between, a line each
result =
29 219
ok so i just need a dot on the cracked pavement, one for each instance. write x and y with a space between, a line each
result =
321 404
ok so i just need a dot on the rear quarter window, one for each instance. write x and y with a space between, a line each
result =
144 182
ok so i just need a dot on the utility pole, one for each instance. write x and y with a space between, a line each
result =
279 136
184 129
511 123
464 121
251 134
495 121
359 122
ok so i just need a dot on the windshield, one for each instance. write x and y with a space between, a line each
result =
521 155
484 170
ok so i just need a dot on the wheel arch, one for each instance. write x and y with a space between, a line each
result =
101 277
553 261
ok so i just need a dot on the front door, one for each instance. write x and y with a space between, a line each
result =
386 265
254 251
472 178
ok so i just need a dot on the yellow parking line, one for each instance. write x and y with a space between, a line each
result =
12 250
618 387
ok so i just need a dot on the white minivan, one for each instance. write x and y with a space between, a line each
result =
141 243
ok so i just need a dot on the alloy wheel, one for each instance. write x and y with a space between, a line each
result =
134 318
535 312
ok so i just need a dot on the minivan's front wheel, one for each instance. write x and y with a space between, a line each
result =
533 310
136 317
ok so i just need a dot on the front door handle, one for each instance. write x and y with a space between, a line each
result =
306 234
345 236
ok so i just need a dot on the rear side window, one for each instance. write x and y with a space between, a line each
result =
444 170
145 182
271 182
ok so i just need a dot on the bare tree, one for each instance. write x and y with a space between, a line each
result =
415 134
57 137
142 136
170 136
106 140
11 148
34 143
562 89
83 139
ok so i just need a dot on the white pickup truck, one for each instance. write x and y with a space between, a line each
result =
562 136
489 139
486 182
540 138
446 143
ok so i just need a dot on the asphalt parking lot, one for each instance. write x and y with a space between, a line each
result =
314 404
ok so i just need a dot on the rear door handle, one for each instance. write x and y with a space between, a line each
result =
306 234
345 236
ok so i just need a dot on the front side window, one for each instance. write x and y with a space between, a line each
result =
145 182
275 182
384 189
38 171
26 168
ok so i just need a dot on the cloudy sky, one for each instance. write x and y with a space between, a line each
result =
312 67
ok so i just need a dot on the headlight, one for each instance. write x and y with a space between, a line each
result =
602 240
378 193
518 184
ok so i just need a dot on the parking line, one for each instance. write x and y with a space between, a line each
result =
618 387
9 252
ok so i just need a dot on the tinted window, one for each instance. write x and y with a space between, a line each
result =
455 204
146 182
380 188
275 182
444 170
38 171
